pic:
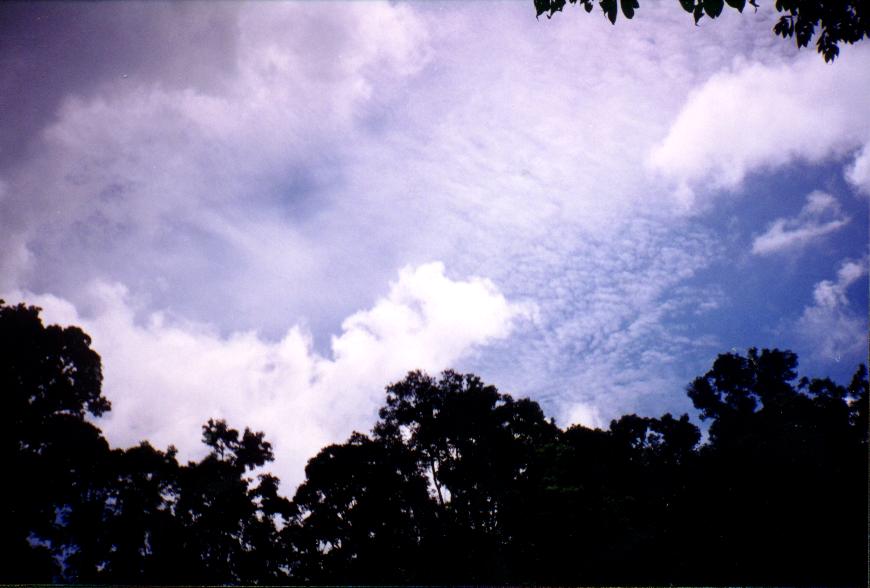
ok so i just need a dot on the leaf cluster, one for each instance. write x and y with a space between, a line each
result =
837 22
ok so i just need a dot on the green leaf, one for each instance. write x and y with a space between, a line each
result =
713 8
738 4
688 5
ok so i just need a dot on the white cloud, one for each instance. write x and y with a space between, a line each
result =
166 379
168 177
833 328
858 173
326 121
342 144
757 117
586 415
820 216
608 335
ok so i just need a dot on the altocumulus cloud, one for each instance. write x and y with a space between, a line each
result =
268 168
329 146
166 379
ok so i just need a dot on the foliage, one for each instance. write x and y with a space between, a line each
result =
361 516
845 21
49 378
456 483
76 510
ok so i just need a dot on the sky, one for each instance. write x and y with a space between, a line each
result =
267 212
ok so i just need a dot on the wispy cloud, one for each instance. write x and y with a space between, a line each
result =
342 145
820 216
280 185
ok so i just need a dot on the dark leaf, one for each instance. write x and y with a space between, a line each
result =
610 8
628 7
688 5
713 8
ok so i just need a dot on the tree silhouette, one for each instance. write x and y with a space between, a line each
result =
456 483
226 519
843 21
76 510
141 536
787 464
49 379
362 515
476 446
514 499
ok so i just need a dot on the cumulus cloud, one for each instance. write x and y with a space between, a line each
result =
586 415
166 378
283 160
858 173
833 327
330 147
169 176
321 141
820 216
756 117
323 148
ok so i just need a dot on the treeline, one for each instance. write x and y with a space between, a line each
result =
456 483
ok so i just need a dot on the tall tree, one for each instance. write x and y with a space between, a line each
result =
456 483
362 516
227 519
787 467
50 378
75 510
477 447
511 498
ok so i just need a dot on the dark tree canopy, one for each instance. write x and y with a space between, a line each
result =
73 509
467 475
457 483
361 516
49 379
830 22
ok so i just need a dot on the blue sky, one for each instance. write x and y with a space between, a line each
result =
267 212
